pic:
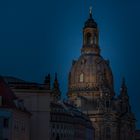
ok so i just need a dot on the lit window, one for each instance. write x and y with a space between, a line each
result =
81 77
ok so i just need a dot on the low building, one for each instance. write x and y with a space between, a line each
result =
83 129
14 119
68 123
36 98
61 123
52 119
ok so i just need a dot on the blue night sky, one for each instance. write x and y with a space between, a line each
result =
42 36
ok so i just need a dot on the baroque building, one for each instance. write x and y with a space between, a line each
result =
36 98
49 117
91 89
14 118
66 121
69 123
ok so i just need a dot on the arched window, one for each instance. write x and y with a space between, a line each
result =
95 39
81 77
88 39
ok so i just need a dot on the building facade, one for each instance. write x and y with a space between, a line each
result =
91 89
36 98
14 119
66 121
51 118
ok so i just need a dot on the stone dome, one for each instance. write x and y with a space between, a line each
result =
90 73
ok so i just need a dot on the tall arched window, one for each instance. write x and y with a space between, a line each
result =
88 39
95 39
81 77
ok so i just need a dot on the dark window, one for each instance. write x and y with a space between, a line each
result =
95 39
57 138
107 104
6 123
53 134
88 39
108 133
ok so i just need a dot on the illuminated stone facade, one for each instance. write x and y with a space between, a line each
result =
91 89
66 121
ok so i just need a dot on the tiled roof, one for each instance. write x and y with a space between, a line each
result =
17 83
11 79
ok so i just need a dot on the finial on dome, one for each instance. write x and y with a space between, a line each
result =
123 87
90 11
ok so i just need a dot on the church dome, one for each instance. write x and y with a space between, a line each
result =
90 73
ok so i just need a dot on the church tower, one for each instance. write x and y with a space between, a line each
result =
91 88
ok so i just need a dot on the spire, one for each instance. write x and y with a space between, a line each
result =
90 11
56 84
90 23
56 90
123 88
90 36
125 106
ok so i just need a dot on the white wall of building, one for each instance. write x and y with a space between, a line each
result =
37 102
